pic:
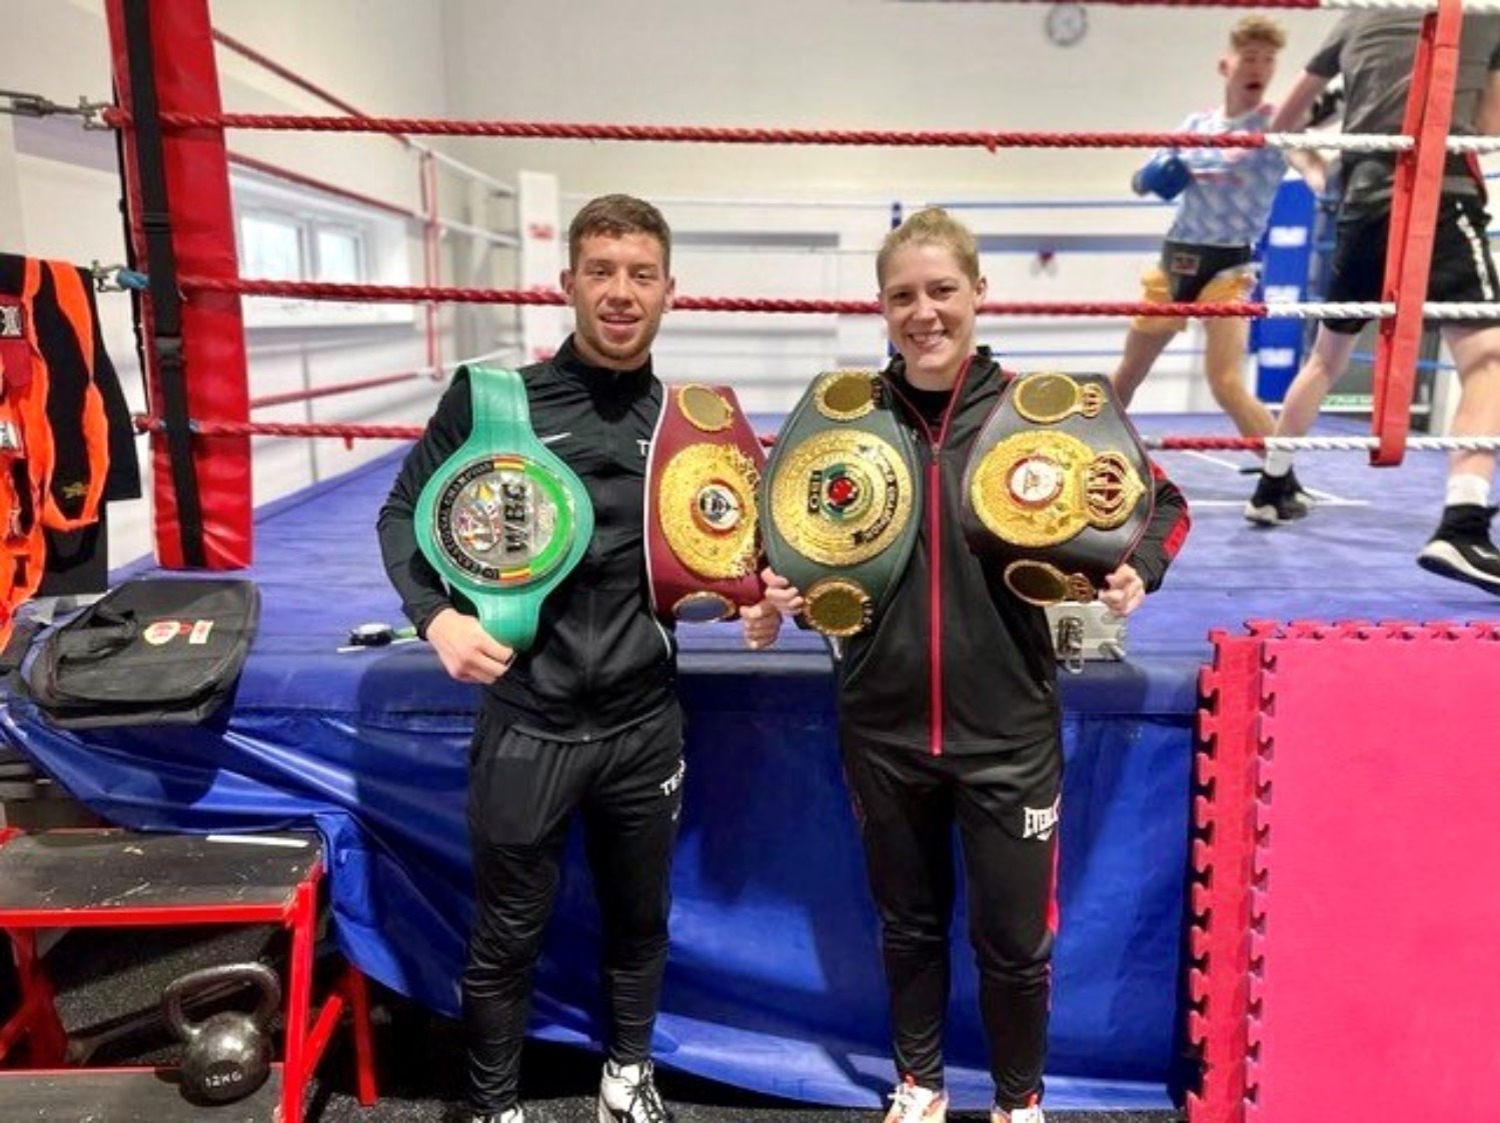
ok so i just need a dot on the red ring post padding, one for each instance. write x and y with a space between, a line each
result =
1414 207
202 238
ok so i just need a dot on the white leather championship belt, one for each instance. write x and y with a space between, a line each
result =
840 492
1058 487
702 479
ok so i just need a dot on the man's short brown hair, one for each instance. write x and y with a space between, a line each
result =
616 216
1257 29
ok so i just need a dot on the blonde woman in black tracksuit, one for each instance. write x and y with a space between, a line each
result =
948 706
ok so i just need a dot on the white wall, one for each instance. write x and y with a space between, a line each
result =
835 64
824 64
850 65
817 64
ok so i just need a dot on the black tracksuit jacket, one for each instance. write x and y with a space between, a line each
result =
956 663
601 660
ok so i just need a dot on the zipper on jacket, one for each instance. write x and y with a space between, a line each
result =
935 593
935 536
935 554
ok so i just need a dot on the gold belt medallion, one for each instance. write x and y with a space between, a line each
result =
841 497
1042 487
845 395
837 606
1042 583
1045 399
707 509
705 408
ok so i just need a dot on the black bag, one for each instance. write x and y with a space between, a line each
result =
152 651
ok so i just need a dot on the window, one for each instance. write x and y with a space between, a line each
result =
340 256
271 248
289 233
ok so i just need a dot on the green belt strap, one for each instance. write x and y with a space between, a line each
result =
504 519
841 493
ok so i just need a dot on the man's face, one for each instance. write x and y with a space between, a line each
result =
619 291
1247 75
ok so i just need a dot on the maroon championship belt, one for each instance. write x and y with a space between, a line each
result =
702 542
1058 488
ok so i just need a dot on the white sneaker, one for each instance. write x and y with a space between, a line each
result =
1032 1114
627 1094
912 1103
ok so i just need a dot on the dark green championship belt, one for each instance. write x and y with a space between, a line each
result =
1058 487
702 540
839 496
503 520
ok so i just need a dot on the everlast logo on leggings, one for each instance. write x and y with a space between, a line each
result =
1040 821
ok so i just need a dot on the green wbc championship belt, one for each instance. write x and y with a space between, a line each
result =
1057 488
504 520
840 490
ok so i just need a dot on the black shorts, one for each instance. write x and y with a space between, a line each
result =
1189 267
1462 267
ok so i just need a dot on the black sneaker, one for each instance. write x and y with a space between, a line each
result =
1305 496
1300 493
1275 501
1461 548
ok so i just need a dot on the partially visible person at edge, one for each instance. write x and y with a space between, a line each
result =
1208 255
1373 51
982 752
587 720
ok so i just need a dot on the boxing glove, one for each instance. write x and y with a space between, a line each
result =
1164 175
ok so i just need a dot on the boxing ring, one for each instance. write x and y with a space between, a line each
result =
1170 951
774 981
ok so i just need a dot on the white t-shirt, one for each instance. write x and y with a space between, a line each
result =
1230 196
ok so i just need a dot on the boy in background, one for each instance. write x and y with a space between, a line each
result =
1208 255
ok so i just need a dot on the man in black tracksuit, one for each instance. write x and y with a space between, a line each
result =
586 719
948 709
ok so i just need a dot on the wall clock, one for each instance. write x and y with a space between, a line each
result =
1067 23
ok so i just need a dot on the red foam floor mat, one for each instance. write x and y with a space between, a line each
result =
1375 944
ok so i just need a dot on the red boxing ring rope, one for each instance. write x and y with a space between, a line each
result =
688 134
405 294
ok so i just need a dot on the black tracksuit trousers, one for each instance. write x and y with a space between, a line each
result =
1005 808
523 793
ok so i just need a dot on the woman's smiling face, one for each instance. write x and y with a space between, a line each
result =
930 304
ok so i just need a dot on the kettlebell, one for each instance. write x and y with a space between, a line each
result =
228 1054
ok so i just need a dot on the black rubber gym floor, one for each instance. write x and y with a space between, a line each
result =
108 992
